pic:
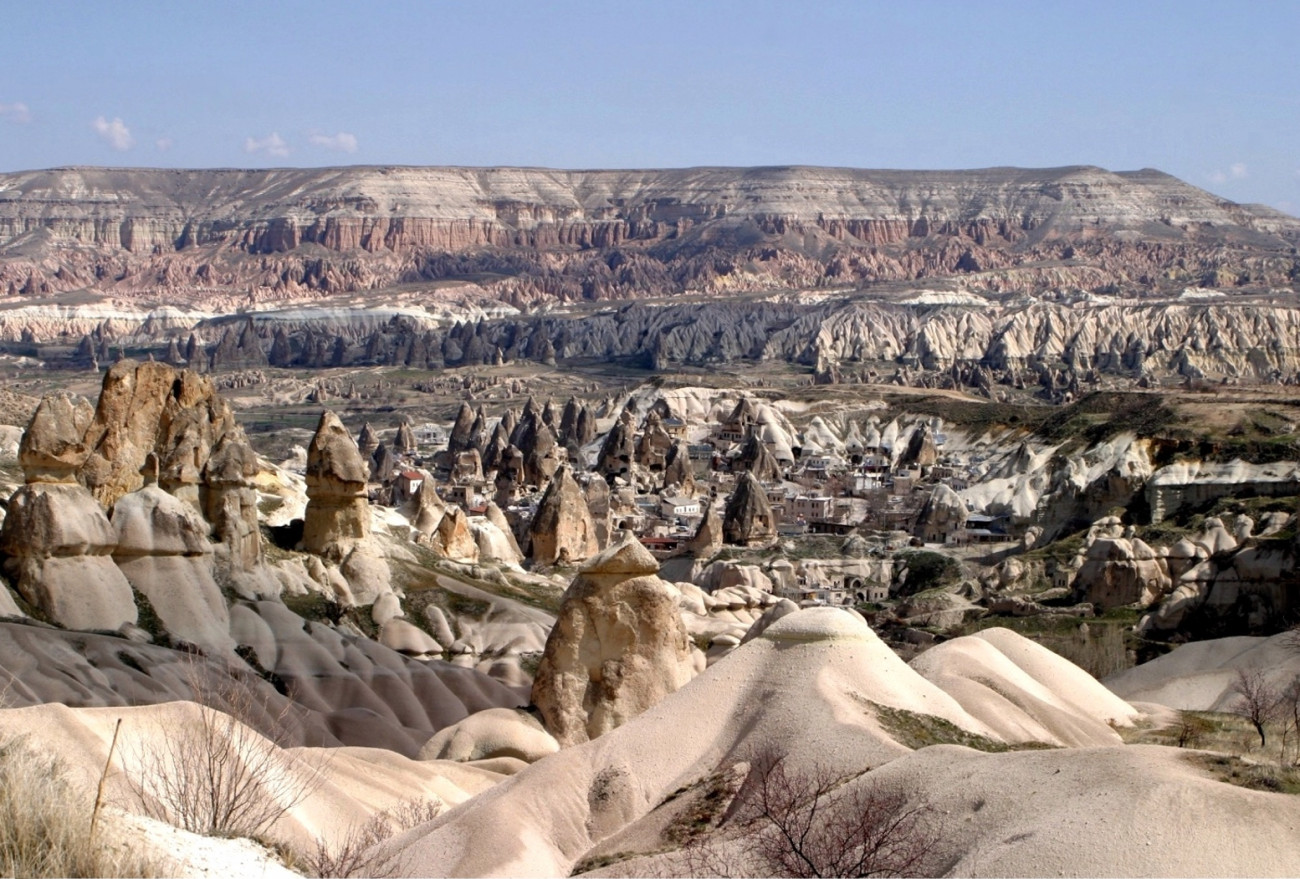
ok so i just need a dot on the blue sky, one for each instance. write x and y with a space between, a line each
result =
1209 92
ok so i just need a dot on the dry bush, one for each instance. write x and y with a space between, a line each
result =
814 823
211 772
1256 700
44 823
356 853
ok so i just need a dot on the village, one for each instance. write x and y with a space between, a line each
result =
687 488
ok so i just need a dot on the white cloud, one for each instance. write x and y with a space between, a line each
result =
114 133
272 145
163 143
15 112
341 142
1236 171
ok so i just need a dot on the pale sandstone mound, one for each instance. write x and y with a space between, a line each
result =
562 529
364 691
1065 812
163 549
617 648
338 513
1199 676
496 732
805 687
1023 691
344 786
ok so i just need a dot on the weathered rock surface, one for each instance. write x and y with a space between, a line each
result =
562 529
617 648
856 224
748 520
163 550
59 544
338 513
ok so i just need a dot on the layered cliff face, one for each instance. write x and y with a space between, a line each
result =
552 235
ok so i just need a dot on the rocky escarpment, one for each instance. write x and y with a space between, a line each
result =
1054 348
571 235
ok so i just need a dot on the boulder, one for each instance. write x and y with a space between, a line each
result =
617 648
53 447
367 574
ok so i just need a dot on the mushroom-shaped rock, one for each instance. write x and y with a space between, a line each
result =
163 549
53 446
338 513
230 502
404 442
367 440
58 541
562 529
748 520
617 648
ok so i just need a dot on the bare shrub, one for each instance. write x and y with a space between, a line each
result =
357 852
44 820
1256 700
211 772
817 823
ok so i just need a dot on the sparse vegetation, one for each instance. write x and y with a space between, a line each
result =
211 772
817 822
922 730
359 851
44 823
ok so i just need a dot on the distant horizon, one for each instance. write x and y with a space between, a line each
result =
1204 90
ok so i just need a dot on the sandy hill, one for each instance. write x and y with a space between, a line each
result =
1199 676
818 686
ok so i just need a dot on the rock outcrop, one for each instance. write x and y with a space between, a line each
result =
162 548
338 513
618 647
56 538
562 530
748 520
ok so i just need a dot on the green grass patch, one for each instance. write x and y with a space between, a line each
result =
916 731
1256 776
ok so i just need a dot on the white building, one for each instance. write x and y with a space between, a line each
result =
679 507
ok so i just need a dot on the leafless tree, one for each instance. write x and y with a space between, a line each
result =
813 823
1256 700
212 772
358 852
